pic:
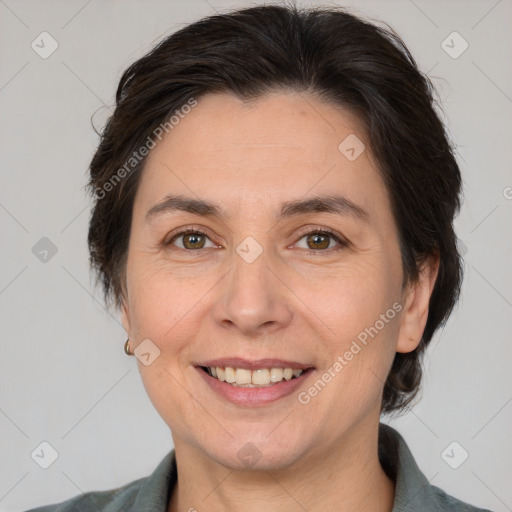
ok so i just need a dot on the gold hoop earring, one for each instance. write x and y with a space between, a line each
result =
127 347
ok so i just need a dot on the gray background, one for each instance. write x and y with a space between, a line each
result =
63 376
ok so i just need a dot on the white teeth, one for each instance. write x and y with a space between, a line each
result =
261 377
256 378
276 375
229 375
243 376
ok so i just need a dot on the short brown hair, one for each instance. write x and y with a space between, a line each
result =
342 59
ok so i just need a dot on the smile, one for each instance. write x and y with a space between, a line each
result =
243 377
253 383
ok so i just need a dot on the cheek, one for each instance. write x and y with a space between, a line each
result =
161 300
355 295
360 312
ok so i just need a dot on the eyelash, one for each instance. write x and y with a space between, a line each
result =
319 231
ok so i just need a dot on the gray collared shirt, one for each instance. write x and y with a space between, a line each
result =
413 492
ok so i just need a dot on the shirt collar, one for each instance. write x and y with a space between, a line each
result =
412 489
156 490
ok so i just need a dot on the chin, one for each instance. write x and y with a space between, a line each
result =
258 453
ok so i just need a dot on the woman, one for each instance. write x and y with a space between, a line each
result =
274 199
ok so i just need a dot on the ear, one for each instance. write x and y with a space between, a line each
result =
415 310
125 316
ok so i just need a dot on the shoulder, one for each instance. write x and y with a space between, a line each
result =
412 489
445 502
148 493
107 501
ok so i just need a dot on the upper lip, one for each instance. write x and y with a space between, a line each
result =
254 364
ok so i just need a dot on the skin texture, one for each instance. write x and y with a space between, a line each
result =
287 304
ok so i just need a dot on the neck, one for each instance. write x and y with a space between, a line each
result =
344 477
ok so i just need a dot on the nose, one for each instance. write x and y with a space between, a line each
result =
253 299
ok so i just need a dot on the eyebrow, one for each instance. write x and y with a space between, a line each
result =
330 204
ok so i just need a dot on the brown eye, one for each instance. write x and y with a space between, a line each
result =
192 239
318 241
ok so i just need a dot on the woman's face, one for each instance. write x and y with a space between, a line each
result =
265 288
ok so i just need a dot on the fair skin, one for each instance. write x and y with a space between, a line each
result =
288 304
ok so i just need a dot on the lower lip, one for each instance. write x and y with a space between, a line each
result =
252 397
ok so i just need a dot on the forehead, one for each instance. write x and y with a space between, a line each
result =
297 122
280 145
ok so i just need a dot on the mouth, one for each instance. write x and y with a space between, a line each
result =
246 378
253 383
